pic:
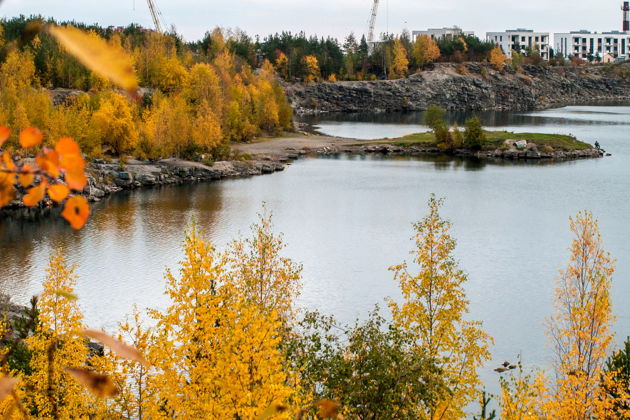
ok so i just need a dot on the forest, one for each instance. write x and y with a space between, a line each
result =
190 103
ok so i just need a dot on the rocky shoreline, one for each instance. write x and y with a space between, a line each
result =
105 178
465 87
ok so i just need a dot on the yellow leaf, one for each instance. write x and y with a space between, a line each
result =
65 294
97 55
58 192
7 384
272 410
97 383
123 350
30 137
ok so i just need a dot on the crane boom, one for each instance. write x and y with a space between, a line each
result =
370 37
155 14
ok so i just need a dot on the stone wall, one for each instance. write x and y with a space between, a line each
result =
480 87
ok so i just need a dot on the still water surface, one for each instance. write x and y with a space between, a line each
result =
348 219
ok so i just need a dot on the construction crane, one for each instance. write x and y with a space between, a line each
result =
370 38
155 14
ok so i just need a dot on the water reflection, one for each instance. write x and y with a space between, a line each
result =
373 126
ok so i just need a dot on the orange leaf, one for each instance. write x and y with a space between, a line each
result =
4 134
72 162
58 192
7 384
123 350
26 176
67 146
76 180
34 195
97 383
76 211
48 162
8 161
30 137
7 192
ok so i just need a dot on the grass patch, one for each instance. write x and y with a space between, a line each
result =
495 139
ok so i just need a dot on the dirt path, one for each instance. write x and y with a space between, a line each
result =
292 144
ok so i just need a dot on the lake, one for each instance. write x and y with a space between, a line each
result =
347 219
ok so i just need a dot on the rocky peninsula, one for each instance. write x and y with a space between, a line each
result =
466 87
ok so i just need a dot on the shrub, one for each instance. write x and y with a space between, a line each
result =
474 136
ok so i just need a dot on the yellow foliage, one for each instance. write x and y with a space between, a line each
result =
400 66
168 124
114 123
425 50
206 129
57 344
581 327
433 312
259 270
215 350
497 59
311 66
204 85
282 65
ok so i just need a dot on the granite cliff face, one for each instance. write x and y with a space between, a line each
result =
478 88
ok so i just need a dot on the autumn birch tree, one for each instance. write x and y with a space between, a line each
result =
400 66
433 310
216 352
56 344
581 326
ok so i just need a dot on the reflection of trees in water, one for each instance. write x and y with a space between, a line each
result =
25 245
129 220
488 118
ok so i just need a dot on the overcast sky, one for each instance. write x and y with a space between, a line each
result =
193 18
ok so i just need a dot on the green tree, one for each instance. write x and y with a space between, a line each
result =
616 382
372 369
474 136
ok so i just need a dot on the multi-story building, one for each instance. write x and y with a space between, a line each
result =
592 45
441 33
521 40
596 46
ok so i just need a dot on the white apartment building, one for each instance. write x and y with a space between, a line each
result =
520 40
586 44
441 33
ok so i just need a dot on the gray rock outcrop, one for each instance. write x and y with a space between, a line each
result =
480 87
